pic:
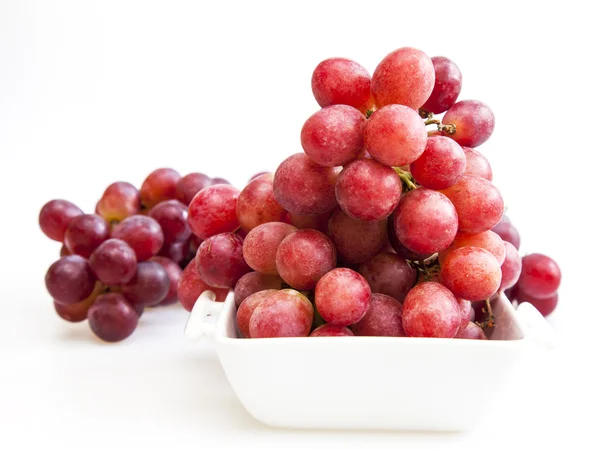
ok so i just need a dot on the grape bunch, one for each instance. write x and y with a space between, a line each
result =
127 256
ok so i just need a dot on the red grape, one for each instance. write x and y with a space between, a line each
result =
220 260
406 77
430 310
142 233
85 233
257 205
247 307
55 217
119 201
285 313
333 136
507 232
487 240
465 313
112 318
474 122
70 279
303 257
356 241
425 221
383 318
390 274
511 267
191 286
188 186
340 81
477 164
441 165
302 186
149 286
261 243
212 211
253 282
395 135
178 252
448 82
540 276
77 312
367 190
471 331
342 296
471 273
159 186
545 305
478 204
172 216
329 330
174 273
397 246
318 222
114 262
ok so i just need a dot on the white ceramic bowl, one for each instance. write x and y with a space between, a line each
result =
369 382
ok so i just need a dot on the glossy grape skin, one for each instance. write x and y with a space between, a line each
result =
383 318
254 282
213 211
330 330
425 221
55 216
143 234
114 262
219 180
333 136
367 190
342 297
477 164
112 318
448 83
471 273
172 216
85 233
303 257
285 313
261 243
478 203
159 186
507 232
319 222
395 135
119 201
70 279
220 260
487 240
191 286
441 165
77 312
405 77
149 286
174 273
511 267
474 122
340 81
256 204
465 313
398 247
389 274
431 310
545 305
356 241
247 307
471 331
178 252
188 186
540 276
302 186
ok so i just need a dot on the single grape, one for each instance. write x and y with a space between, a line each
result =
220 260
395 135
174 273
149 286
212 211
219 180
340 81
261 243
303 257
487 240
383 318
333 136
188 186
471 331
474 122
511 267
540 276
302 186
471 273
431 310
405 77
70 279
330 330
389 274
477 164
143 234
159 186
114 262
466 309
441 165
178 252
172 216
397 246
85 233
478 203
342 297
191 286
448 82
507 232
318 222
367 190
77 312
356 241
119 201
425 221
545 305
247 307
285 313
254 282
112 318
55 217
257 204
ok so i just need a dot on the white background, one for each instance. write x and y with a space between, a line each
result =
95 92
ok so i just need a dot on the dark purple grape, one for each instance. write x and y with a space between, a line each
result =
85 233
172 216
112 318
174 273
55 217
149 286
114 262
70 279
142 233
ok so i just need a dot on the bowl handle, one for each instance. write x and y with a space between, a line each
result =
537 327
203 318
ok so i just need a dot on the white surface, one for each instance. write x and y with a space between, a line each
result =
94 92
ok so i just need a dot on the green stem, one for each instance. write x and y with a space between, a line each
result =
406 178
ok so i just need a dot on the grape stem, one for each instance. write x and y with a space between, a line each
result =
429 120
406 178
491 320
425 114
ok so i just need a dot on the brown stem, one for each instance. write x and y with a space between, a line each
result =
491 320
447 128
425 114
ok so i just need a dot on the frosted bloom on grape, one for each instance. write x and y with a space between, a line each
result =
474 122
540 275
247 307
356 241
213 211
256 204
448 83
431 310
383 318
260 245
487 240
441 165
342 297
285 313
477 164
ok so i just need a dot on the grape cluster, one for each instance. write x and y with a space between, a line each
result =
126 256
